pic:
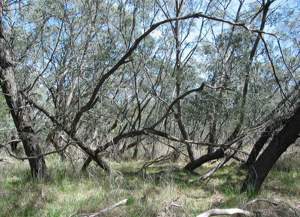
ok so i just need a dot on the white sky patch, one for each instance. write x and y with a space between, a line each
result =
156 33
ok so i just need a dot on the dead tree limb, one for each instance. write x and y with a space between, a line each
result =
217 212
106 210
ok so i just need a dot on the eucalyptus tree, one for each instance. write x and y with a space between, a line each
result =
19 109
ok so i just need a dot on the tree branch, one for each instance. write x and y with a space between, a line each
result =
214 212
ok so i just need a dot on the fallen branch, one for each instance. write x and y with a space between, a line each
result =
101 212
214 212
263 200
165 157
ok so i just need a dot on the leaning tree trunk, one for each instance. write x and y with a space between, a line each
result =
275 123
217 154
259 144
20 112
278 145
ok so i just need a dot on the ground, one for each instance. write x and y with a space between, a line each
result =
152 192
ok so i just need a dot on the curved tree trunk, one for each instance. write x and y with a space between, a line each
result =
219 153
275 123
259 144
279 144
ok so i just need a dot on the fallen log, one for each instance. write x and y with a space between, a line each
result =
232 211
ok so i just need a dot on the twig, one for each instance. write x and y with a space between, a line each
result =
165 157
273 67
35 156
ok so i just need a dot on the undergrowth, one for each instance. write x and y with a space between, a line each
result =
70 193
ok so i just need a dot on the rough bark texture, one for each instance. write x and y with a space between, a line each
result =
278 145
259 144
53 138
21 114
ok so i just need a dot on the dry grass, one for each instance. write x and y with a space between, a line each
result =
151 193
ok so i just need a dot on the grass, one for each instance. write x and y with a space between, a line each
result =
150 192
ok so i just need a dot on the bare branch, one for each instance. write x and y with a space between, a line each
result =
215 212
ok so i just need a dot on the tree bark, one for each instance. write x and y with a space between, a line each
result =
219 153
278 145
20 112
275 122
259 144
179 78
53 138
135 153
21 115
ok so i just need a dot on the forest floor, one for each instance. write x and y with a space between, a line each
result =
161 190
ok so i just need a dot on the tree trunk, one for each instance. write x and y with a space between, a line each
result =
219 153
179 78
135 153
21 114
275 123
86 164
212 132
53 138
14 144
259 144
279 144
